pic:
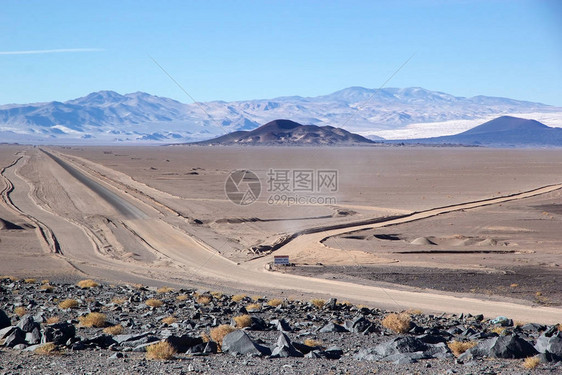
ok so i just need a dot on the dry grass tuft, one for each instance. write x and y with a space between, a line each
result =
531 362
114 330
89 283
414 312
11 278
47 288
253 307
20 311
169 320
182 297
313 343
257 298
275 302
319 303
152 302
217 295
498 330
47 349
68 304
399 323
93 319
164 289
161 351
53 320
45 281
459 347
204 300
243 321
238 297
205 337
30 281
518 323
118 300
514 285
218 333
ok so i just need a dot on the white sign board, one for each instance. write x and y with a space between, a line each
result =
281 260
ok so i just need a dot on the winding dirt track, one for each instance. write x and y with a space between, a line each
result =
188 259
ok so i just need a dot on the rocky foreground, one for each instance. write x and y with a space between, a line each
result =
48 328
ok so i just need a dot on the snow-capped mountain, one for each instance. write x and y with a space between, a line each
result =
108 117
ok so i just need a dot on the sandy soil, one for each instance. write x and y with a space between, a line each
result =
185 230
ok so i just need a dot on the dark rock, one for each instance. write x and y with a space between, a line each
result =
358 324
27 324
533 327
4 332
238 342
549 357
184 342
500 347
284 348
4 320
132 341
314 354
304 349
258 324
33 337
331 304
101 341
332 327
332 352
281 325
17 336
550 344
58 333
432 339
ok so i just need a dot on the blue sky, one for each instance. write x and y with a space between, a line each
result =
235 50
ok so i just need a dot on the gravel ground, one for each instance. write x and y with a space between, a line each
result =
343 334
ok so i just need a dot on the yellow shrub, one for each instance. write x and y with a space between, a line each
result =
84 284
313 343
218 333
93 319
243 321
399 323
162 350
20 311
274 302
169 320
253 307
47 288
114 330
68 304
531 362
204 300
164 289
118 300
459 347
153 302
238 297
47 349
30 281
181 297
319 303
53 320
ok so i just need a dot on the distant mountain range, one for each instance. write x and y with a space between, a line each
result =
108 117
504 131
286 132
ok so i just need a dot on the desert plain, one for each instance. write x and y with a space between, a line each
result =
440 229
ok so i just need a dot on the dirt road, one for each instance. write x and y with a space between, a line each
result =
91 219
